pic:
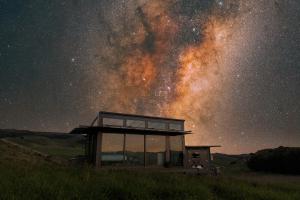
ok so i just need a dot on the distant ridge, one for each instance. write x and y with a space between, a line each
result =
4 133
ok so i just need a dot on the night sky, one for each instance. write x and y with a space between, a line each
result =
231 68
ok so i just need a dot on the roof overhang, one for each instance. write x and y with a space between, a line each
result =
201 146
129 130
139 116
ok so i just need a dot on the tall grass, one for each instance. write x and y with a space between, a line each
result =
28 177
52 182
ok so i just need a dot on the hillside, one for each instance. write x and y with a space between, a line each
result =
231 163
53 144
282 160
10 154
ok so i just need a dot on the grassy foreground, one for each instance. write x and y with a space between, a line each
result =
27 176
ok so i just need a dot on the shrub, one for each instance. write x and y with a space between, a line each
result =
284 160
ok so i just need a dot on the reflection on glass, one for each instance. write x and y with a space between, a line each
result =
112 149
134 150
177 127
135 123
202 155
176 150
156 125
112 122
155 150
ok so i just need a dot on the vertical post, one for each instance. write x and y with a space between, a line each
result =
145 143
98 143
86 148
185 156
100 120
167 157
167 149
89 148
145 154
146 124
184 152
98 149
94 147
209 158
124 150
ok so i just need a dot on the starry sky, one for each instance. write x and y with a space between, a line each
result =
231 68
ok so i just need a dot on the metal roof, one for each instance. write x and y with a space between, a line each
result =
143 116
201 146
129 130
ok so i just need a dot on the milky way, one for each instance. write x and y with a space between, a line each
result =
229 67
169 62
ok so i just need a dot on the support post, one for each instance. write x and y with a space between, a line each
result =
145 153
185 156
98 149
98 143
168 149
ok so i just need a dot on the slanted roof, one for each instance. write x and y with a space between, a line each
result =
131 130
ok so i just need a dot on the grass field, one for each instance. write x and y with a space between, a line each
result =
26 175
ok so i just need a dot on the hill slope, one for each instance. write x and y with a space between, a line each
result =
284 160
54 144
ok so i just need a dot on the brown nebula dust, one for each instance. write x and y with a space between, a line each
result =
169 64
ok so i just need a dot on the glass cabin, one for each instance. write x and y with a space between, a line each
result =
126 140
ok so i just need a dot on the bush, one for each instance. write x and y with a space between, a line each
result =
283 160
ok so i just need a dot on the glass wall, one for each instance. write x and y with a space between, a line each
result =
155 150
176 150
134 150
135 123
139 121
112 121
112 149
176 127
128 150
157 125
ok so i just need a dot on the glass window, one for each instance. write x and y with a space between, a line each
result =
202 154
196 155
176 150
177 127
112 122
112 149
156 125
135 123
134 150
199 157
155 150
